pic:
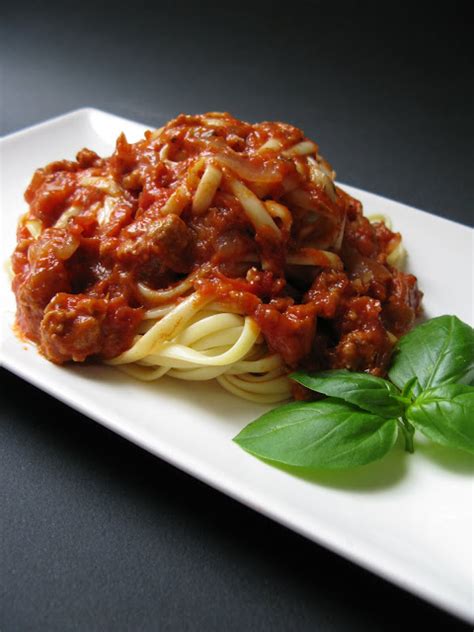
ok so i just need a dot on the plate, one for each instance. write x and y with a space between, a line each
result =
407 518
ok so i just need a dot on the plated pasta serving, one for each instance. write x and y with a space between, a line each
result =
210 249
213 249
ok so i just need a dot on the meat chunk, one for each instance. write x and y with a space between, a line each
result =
403 306
167 239
48 194
329 293
71 327
289 333
364 344
43 276
363 350
87 158
76 326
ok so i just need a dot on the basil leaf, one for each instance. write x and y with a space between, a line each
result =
446 415
438 351
409 387
371 393
327 434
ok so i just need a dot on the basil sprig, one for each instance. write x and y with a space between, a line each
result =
430 391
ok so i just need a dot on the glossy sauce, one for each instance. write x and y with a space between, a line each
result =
103 230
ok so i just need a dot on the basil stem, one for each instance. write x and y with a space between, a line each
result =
408 432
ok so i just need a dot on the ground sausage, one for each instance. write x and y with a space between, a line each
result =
76 326
167 239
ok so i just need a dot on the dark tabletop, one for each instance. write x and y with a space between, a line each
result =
96 534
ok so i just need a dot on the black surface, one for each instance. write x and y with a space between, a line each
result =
95 533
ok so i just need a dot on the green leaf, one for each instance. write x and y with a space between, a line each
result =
408 389
371 393
446 415
325 434
438 351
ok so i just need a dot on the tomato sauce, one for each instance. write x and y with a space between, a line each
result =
96 229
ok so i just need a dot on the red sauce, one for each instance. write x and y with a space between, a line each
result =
77 284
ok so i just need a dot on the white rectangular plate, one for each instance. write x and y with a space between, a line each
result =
407 518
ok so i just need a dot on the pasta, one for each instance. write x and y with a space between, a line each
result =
210 249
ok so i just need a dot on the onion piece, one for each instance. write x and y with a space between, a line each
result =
321 179
302 199
252 173
214 122
301 149
107 184
67 247
272 144
35 227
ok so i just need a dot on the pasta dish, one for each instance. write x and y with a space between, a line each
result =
210 249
